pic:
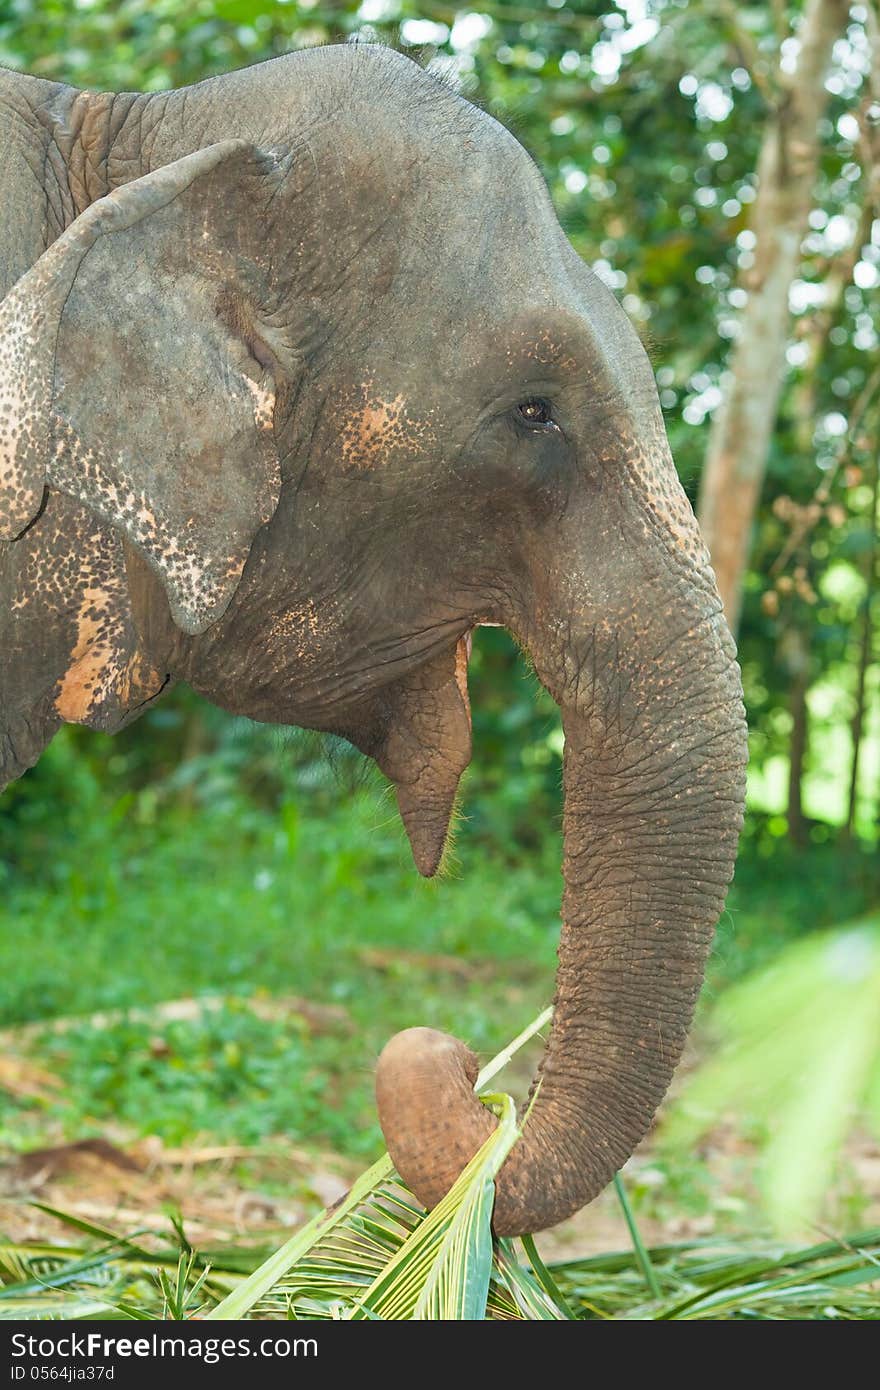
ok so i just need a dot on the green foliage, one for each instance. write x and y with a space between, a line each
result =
151 45
780 893
700 1280
799 1051
226 1073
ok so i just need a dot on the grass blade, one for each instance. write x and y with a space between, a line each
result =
644 1259
544 1277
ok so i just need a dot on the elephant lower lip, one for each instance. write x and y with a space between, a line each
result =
425 746
462 657
468 638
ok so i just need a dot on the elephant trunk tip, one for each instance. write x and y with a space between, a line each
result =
432 1120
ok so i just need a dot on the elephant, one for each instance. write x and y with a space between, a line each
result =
301 383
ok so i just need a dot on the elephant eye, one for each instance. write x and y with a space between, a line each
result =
537 414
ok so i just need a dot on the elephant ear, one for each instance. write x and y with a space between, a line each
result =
128 381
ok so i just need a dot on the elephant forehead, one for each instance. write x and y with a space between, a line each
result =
376 427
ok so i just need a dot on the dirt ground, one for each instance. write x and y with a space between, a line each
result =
230 1196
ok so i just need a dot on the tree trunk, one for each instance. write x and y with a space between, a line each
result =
798 663
742 429
865 653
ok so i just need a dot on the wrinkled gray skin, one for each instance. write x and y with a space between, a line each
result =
288 420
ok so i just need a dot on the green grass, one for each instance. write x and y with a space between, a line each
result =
238 899
126 904
248 904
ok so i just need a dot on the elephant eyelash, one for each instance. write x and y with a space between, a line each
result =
536 413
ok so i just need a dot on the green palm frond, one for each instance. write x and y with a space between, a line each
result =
720 1281
443 1268
699 1281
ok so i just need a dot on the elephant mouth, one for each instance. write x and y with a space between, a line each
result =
463 651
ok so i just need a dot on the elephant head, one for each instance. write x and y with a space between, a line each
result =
343 392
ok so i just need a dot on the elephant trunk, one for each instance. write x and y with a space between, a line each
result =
654 780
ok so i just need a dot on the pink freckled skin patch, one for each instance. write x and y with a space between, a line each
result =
92 667
106 671
369 433
69 623
22 427
264 405
375 430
